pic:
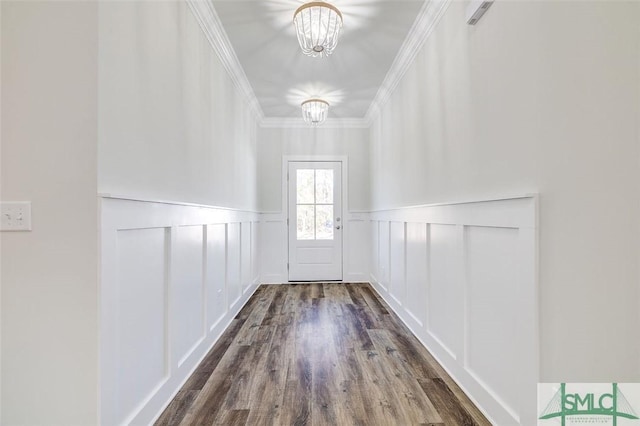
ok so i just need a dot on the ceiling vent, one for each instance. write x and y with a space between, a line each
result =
476 9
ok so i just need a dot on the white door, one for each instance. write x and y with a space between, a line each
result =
315 225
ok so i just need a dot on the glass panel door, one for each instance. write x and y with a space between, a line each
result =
315 236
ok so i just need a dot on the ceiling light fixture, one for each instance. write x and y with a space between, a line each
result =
318 26
314 111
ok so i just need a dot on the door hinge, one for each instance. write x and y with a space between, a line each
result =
287 266
287 221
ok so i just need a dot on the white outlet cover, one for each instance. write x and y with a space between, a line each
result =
15 216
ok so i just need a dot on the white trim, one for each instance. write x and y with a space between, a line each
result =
213 29
422 28
330 123
453 203
170 202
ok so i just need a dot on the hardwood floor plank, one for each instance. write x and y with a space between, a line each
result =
356 409
402 351
275 308
209 401
403 393
248 307
356 297
327 404
233 418
176 411
319 354
296 406
290 299
373 301
336 292
254 319
210 362
450 408
245 377
358 332
317 291
267 390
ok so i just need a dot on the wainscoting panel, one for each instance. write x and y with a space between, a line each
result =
397 254
446 301
374 250
245 246
141 331
492 314
255 258
172 278
234 256
187 291
215 274
383 254
273 263
356 243
462 277
416 279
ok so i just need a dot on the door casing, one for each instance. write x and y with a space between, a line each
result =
343 159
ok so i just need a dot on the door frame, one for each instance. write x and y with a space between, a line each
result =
344 167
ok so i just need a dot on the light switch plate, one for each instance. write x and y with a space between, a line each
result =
15 216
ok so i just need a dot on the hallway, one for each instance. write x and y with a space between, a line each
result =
162 175
322 354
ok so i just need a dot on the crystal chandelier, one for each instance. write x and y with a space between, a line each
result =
318 26
314 111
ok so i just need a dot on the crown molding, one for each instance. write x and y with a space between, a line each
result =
430 14
299 123
427 19
211 25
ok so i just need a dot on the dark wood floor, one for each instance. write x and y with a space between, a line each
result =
319 354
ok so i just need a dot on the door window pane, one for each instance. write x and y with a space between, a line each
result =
305 222
324 186
324 222
314 204
305 186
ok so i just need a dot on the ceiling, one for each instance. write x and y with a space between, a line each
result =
262 35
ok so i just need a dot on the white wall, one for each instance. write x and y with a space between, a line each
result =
274 143
537 97
172 124
48 156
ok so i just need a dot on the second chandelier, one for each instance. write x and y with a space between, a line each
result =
318 25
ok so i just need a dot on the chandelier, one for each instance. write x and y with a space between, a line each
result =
314 111
318 26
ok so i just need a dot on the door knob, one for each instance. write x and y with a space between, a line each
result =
338 227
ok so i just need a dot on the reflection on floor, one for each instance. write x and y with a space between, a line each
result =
321 354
